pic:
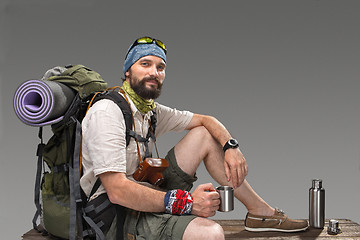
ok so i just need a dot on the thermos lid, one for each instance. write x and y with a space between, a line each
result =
333 227
317 183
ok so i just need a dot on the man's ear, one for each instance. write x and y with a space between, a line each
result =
127 74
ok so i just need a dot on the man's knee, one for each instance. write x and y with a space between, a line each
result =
200 131
197 140
202 135
203 228
218 232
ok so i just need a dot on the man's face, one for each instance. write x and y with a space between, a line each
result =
146 76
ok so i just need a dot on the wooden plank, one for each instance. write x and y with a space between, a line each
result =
35 235
235 229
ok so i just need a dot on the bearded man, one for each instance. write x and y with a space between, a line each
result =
167 210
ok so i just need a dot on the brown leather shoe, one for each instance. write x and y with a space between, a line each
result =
278 222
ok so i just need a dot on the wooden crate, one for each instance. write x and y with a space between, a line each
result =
234 229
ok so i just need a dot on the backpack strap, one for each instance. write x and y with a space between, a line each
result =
124 106
125 109
70 119
38 180
74 180
153 122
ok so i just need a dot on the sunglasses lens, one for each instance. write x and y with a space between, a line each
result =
144 40
161 44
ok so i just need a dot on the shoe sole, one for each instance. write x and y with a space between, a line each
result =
274 230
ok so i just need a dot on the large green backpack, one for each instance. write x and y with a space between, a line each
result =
65 209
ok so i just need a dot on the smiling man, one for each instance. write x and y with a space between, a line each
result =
166 210
148 87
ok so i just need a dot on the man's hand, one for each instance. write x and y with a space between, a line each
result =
235 164
236 167
206 201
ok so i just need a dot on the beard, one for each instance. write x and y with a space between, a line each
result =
140 89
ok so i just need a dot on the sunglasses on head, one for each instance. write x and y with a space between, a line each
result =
147 40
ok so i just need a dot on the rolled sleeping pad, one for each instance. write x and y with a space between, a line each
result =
40 102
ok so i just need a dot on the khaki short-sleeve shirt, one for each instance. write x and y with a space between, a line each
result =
103 139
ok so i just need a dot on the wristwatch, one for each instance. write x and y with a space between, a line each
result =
232 143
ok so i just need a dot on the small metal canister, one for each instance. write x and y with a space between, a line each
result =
333 227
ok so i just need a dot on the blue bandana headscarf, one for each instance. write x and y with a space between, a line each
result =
140 51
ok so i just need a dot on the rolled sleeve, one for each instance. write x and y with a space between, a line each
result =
171 119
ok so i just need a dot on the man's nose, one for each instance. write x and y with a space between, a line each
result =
153 71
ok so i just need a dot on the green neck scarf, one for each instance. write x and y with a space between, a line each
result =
142 104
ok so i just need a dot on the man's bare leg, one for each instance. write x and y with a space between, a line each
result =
198 145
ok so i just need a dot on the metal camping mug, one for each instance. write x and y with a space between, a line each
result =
226 198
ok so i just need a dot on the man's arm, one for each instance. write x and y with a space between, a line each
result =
130 194
125 192
234 162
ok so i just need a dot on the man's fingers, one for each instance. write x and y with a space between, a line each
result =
235 177
215 196
238 174
227 172
240 177
235 168
206 187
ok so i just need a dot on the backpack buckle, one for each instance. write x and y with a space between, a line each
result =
70 121
40 149
60 168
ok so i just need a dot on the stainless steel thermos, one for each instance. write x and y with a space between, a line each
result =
317 204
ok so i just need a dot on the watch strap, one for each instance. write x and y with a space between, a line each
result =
231 143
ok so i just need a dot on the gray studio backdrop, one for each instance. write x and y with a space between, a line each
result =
283 76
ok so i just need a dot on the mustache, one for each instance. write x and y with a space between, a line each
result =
151 79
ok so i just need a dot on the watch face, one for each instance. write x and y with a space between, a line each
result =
233 142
